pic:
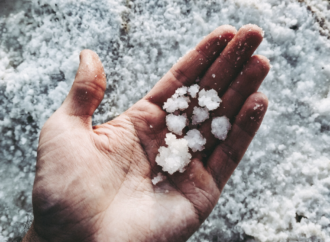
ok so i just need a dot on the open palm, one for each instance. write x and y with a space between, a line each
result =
94 183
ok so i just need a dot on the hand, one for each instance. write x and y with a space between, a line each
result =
94 183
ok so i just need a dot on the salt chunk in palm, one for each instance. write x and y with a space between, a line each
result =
159 178
176 156
176 123
181 91
177 101
193 90
174 103
220 127
200 115
195 139
209 99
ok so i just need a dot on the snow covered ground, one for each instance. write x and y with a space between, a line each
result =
281 189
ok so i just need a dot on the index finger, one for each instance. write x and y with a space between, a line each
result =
192 65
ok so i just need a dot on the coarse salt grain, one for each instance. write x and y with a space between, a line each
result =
195 139
176 123
220 127
193 90
176 156
209 99
199 115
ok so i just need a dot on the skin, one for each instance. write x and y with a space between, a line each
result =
94 183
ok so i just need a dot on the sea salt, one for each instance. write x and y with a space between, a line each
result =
159 178
178 101
199 115
176 123
220 127
175 157
181 91
195 139
209 99
193 90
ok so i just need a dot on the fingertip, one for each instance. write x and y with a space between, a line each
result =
88 87
253 29
259 64
227 31
216 41
262 61
257 102
87 52
254 34
252 113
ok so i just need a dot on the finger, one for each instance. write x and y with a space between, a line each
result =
192 65
229 64
228 154
234 56
244 85
88 88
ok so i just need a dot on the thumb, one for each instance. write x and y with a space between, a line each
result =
88 88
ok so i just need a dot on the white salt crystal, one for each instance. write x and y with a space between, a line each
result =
213 75
181 91
174 103
193 90
176 123
176 156
159 178
200 115
209 99
195 139
220 127
177 101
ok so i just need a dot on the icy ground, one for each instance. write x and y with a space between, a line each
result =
281 189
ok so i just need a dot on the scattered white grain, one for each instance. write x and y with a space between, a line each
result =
220 127
159 178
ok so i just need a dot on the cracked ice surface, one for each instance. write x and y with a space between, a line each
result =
284 174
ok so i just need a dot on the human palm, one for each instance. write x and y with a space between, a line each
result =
94 183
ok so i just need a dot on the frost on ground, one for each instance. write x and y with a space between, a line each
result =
280 190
